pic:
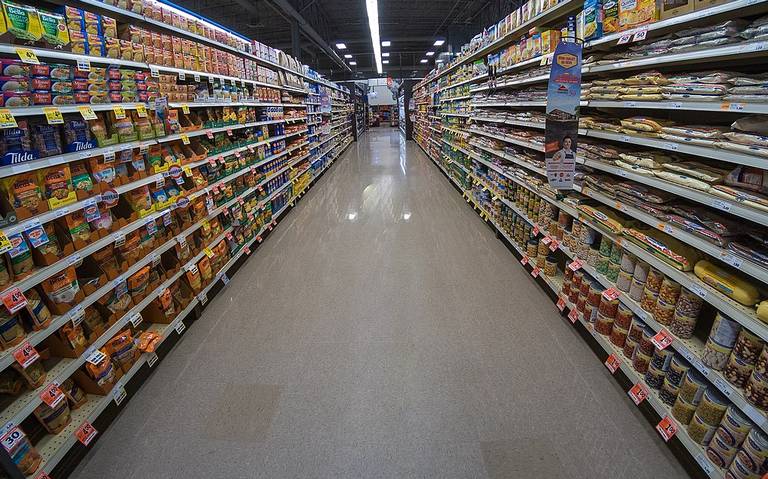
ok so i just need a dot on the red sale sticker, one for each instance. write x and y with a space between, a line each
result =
52 395
662 339
638 393
561 303
85 433
546 240
535 271
573 315
612 363
524 260
575 265
554 245
667 428
14 300
535 230
611 293
26 355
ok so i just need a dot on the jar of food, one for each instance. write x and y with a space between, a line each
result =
636 289
618 335
755 447
623 316
603 324
609 307
734 426
532 247
624 281
719 453
606 246
670 290
578 277
724 331
712 407
602 264
689 304
693 387
756 390
636 330
595 292
628 263
616 253
580 302
641 271
739 470
761 366
737 371
748 346
715 355
668 392
613 272
593 254
654 377
645 344
663 312
640 361
654 280
678 368
550 266
585 285
648 302
683 411
543 250
682 326
700 431
662 359
629 348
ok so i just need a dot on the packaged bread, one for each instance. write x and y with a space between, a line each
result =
727 282
40 315
74 393
123 350
34 374
103 372
53 419
11 329
138 282
73 336
62 287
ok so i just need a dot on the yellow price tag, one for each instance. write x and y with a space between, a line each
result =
208 252
185 139
141 110
6 119
185 108
5 243
187 170
119 112
53 115
27 56
87 112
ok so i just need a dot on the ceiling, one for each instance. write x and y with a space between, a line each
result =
317 25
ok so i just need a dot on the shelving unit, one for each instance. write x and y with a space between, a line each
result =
482 124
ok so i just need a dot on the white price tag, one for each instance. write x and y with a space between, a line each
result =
154 72
119 239
671 146
225 279
640 36
74 259
109 156
203 298
701 292
118 393
707 466
12 437
197 77
136 319
152 359
76 315
721 205
182 76
83 64
94 356
723 386
731 259
180 327
624 39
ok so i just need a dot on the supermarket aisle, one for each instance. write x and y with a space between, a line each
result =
381 331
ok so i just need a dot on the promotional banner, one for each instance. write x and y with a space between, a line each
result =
562 120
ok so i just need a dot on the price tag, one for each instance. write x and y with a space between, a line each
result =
701 292
182 76
535 272
136 319
141 110
248 250
53 115
225 279
14 300
229 131
154 72
561 303
203 298
575 265
25 355
535 230
12 438
85 433
638 393
27 56
662 339
730 259
640 36
94 356
554 245
705 464
185 139
159 182
573 315
167 219
624 39
52 395
185 108
197 77
613 363
119 112
721 205
87 112
118 393
611 293
76 315
155 260
524 260
6 119
109 156
546 240
119 239
208 252
192 268
667 428
209 134
210 79
152 359
83 64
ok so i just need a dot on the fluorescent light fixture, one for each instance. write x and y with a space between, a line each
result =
341 46
438 61
386 43
385 54
347 56
429 54
438 43
386 62
353 63
424 60
406 216
351 216
373 23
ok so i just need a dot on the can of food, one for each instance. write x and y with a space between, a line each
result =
606 246
700 431
662 359
641 271
550 266
693 387
645 343
755 447
740 470
629 348
737 371
682 326
648 301
580 302
712 407
593 254
654 377
609 307
636 289
720 453
618 335
623 316
683 411
603 324
602 264
636 330
734 427
628 263
613 272
624 281
715 355
640 361
543 249
595 292
748 346
532 247
663 312
668 392
724 330
756 390
678 368
616 253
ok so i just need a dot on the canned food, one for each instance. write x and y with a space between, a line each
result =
715 355
654 280
737 371
636 289
628 263
734 426
683 411
693 387
629 348
724 331
756 390
678 368
700 431
748 346
712 407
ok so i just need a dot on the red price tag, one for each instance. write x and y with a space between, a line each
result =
575 265
85 433
667 428
546 240
554 245
52 395
241 201
212 162
237 155
229 236
229 131
573 315
26 355
14 300
561 304
612 363
535 272
662 339
258 238
524 260
42 475
535 230
247 250
209 134
611 293
638 393
269 227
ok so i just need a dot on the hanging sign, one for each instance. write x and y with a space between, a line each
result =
562 120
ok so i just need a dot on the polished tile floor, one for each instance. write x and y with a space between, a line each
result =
382 331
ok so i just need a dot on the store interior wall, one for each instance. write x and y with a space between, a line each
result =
378 92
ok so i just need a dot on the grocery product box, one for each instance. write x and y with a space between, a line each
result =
633 13
673 8
704 4
593 19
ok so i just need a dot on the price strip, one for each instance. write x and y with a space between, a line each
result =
85 433
52 395
613 363
136 319
723 386
184 139
26 355
611 293
83 64
561 303
6 119
638 393
119 394
27 56
152 359
575 265
119 112
662 339
53 115
705 464
667 428
14 300
573 315
86 112
141 110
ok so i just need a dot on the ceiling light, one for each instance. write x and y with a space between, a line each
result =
406 216
347 56
386 62
341 46
438 61
385 54
438 43
351 216
373 23
424 60
353 63
429 54
386 43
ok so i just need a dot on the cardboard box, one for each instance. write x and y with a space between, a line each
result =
704 4
674 8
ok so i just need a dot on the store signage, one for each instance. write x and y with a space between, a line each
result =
667 428
562 115
638 393
612 363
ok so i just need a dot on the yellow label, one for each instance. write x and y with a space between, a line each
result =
185 139
119 112
27 56
53 115
187 171
208 252
5 243
87 112
185 108
141 110
6 119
